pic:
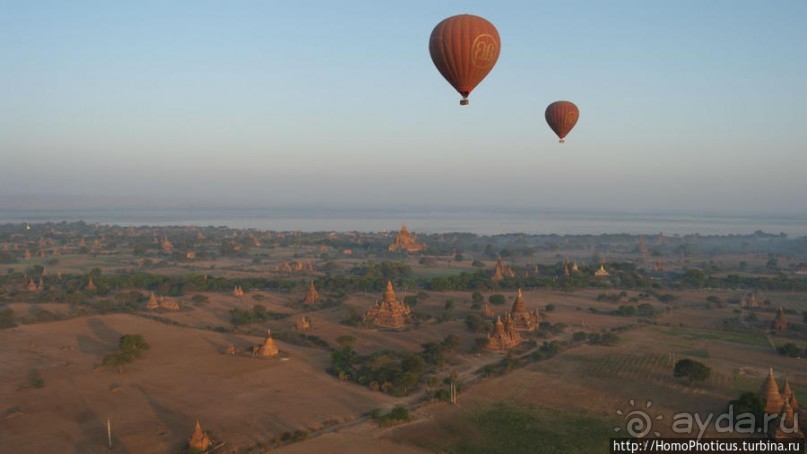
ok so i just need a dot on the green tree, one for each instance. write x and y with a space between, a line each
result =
497 299
790 350
116 360
476 300
748 402
133 345
346 341
692 370
477 323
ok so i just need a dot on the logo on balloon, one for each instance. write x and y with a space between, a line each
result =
483 51
570 118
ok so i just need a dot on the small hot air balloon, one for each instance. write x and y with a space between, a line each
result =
561 116
464 49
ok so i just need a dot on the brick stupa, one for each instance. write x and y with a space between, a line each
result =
388 313
406 241
312 296
199 441
779 323
769 391
504 335
303 324
152 302
502 271
523 318
268 349
789 396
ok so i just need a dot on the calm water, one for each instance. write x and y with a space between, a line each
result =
479 221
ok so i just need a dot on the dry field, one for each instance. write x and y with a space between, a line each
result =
186 376
153 405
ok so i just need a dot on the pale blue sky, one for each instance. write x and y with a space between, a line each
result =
685 105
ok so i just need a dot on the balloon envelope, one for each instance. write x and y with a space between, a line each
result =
464 49
561 117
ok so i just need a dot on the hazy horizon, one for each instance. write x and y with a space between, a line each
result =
686 107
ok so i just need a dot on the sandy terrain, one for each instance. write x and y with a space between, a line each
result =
155 402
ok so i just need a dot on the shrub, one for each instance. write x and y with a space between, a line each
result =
497 299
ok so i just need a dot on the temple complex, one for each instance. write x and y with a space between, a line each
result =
406 241
749 300
601 272
199 440
522 318
504 335
779 323
296 267
169 304
502 271
388 313
311 296
783 403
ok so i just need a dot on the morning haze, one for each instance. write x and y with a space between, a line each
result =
683 107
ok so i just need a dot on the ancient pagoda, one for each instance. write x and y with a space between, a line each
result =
789 396
502 271
312 296
769 391
789 427
199 441
90 285
524 319
31 287
487 310
504 335
303 324
779 323
749 300
166 245
169 304
266 350
152 302
284 267
238 291
601 272
388 313
406 241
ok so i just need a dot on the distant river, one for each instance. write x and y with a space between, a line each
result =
479 221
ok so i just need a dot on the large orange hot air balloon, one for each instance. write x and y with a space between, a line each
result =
561 116
464 49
